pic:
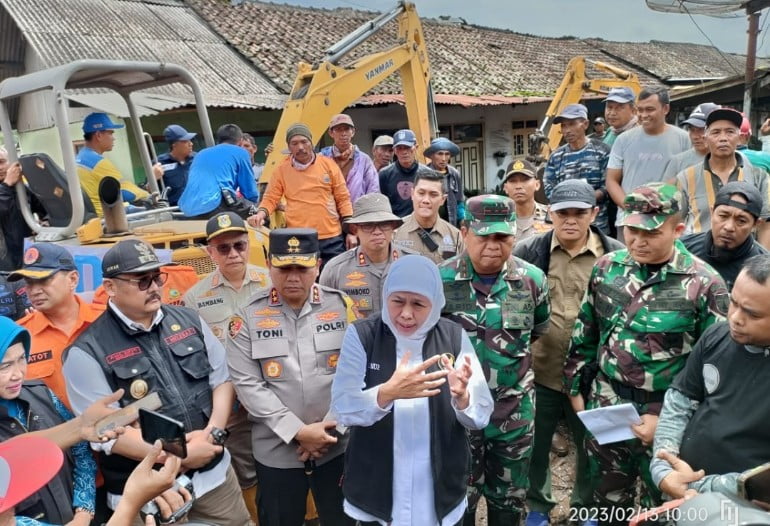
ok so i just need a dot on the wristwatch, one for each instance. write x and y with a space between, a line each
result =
219 435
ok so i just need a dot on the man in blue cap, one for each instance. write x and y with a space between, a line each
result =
579 158
397 179
620 113
174 166
440 153
98 133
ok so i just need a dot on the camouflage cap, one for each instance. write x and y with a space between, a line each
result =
650 205
491 214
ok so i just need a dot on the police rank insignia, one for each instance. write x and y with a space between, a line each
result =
273 369
293 243
235 326
138 389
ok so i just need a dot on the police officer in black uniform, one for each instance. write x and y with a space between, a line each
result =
142 346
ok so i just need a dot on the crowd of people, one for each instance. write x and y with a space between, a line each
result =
408 350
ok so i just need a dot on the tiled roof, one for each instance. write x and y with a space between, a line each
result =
61 31
675 60
465 59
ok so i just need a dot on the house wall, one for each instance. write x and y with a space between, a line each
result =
496 121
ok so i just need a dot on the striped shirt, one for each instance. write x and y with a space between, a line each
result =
588 163
699 187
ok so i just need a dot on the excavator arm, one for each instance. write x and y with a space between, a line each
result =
574 86
323 91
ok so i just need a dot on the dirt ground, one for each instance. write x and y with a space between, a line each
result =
562 478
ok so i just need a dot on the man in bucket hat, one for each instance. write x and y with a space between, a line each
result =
440 153
644 308
360 271
502 302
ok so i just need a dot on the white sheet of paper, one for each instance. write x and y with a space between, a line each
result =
610 424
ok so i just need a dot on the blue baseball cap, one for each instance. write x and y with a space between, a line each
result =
99 122
176 133
621 95
570 112
404 138
42 260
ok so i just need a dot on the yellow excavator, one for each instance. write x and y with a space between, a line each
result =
574 87
321 91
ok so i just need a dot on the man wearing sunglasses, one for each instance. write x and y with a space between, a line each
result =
216 298
144 346
360 271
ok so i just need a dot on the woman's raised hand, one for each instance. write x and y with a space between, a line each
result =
458 378
411 381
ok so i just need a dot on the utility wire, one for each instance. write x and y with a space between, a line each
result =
683 6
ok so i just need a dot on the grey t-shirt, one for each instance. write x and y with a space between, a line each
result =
643 158
681 161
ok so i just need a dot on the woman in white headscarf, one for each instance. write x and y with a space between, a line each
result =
408 383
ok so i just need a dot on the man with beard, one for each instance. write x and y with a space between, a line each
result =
729 243
715 414
357 168
315 192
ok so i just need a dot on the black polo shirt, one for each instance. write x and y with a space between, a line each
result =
730 430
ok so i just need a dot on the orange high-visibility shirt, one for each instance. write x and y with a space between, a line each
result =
49 343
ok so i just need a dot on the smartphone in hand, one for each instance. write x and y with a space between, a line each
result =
170 432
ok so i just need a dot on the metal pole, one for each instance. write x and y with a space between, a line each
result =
751 60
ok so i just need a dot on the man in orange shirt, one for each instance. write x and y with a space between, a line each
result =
315 192
59 316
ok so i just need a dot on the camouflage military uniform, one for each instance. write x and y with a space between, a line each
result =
502 320
638 323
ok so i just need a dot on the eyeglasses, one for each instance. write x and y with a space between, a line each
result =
144 282
371 227
224 248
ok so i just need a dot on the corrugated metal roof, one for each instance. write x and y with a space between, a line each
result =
61 31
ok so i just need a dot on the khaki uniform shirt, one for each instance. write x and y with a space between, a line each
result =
567 282
216 300
282 365
353 273
531 226
445 235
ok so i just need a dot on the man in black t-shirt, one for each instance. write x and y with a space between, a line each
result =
715 414
397 179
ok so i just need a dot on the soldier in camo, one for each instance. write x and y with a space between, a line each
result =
502 302
644 309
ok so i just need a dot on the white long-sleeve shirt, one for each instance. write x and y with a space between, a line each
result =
354 405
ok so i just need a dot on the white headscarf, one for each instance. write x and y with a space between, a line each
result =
419 275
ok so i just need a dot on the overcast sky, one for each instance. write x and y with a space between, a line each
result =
628 20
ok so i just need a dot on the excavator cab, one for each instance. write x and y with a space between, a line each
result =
71 218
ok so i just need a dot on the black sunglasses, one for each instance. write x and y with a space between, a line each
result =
225 248
144 282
